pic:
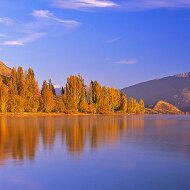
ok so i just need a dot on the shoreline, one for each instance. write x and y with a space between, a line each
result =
29 114
41 114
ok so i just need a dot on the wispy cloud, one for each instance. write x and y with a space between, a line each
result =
83 4
127 62
128 5
113 40
24 40
44 23
6 21
46 14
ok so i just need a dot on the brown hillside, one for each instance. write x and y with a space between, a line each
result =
163 107
4 70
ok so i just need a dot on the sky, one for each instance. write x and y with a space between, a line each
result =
119 43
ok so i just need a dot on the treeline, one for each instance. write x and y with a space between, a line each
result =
21 94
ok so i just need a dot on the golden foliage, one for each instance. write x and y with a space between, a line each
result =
21 94
59 104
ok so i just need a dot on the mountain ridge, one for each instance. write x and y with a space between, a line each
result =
172 89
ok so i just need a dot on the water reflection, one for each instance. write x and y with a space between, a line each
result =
95 152
20 137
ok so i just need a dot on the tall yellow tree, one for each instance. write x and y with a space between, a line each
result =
75 94
59 104
91 93
92 97
130 108
114 95
123 103
53 94
46 100
32 92
13 83
20 78
51 87
83 103
15 102
141 106
96 92
3 97
103 104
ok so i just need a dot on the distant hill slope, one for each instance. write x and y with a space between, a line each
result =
4 70
172 89
163 107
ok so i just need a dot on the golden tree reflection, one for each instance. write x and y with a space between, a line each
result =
21 137
18 139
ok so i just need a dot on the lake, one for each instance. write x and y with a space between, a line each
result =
95 152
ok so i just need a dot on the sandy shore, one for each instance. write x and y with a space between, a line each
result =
26 114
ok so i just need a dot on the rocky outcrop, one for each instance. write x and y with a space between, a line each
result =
162 107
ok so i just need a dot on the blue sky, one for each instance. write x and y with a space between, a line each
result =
119 43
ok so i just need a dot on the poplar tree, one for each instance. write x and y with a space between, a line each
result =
91 93
83 103
46 100
15 102
96 92
59 104
103 104
75 93
114 95
32 92
123 103
21 86
51 87
3 97
130 108
92 104
13 83
53 94
141 106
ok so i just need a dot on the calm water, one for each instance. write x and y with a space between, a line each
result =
95 152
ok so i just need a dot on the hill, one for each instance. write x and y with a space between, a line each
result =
173 89
4 70
162 107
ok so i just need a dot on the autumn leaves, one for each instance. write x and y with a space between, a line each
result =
20 93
